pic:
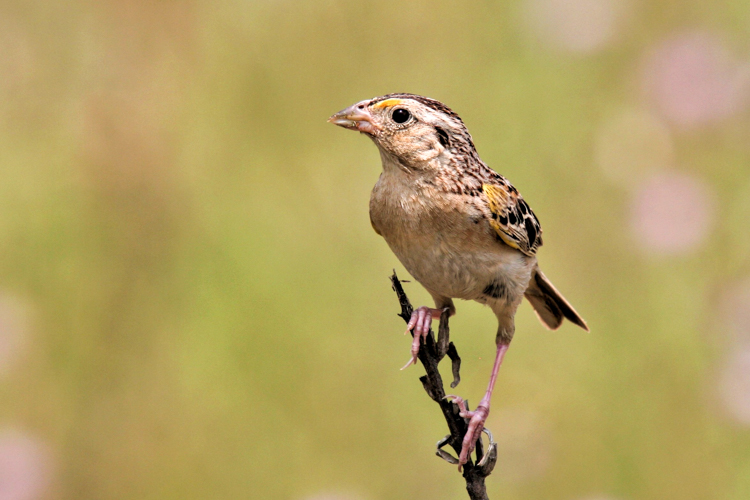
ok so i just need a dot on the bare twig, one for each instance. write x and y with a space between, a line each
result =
430 354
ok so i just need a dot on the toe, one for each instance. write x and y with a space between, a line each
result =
412 321
415 346
420 322
476 424
463 412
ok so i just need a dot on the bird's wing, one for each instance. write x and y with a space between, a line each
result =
512 218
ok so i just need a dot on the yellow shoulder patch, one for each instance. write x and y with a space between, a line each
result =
496 196
497 199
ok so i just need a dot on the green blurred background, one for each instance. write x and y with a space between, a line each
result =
193 303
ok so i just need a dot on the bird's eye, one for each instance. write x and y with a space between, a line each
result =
400 115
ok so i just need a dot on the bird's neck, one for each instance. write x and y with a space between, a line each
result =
414 171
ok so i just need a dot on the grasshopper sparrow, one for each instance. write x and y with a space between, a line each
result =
459 228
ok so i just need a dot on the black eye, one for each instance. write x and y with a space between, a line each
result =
400 115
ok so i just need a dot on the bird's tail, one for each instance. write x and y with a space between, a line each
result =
549 304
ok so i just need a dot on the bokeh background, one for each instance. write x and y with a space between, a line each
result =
193 303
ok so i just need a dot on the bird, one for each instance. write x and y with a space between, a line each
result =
462 230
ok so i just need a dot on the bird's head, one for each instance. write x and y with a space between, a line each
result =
411 129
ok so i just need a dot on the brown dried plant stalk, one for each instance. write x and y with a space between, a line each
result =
430 354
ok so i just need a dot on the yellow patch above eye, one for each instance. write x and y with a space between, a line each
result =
386 103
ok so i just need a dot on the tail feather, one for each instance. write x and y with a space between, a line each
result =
549 304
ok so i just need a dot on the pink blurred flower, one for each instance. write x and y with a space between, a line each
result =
672 213
734 386
582 26
25 467
692 80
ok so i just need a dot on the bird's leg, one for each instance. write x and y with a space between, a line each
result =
478 416
421 320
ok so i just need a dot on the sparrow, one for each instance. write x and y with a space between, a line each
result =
457 226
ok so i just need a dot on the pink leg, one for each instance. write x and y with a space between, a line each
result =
421 320
479 415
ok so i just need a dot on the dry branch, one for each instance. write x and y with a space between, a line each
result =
431 353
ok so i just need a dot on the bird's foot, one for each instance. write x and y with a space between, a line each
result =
420 322
477 418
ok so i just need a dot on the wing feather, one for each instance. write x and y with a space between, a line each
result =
512 218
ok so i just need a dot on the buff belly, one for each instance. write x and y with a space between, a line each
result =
454 254
454 268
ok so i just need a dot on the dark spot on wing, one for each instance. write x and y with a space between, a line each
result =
512 217
530 230
503 220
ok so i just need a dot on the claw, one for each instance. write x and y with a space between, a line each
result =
476 425
411 361
490 456
419 323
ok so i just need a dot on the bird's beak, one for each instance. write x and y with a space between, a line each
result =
355 117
